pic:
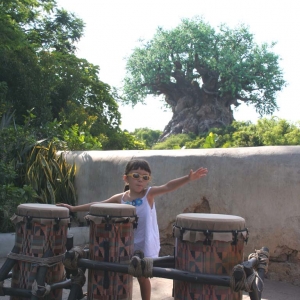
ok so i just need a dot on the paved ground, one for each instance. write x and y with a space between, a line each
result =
162 290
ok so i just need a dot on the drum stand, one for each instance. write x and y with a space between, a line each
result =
163 267
72 284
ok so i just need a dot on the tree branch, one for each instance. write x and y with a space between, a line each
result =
243 98
208 92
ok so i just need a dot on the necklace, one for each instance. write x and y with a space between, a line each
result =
135 202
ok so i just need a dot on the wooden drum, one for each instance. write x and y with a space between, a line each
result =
209 244
40 228
111 240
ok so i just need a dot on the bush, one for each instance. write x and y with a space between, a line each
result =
173 142
51 176
10 197
267 132
30 172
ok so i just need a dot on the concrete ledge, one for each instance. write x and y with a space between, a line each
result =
7 240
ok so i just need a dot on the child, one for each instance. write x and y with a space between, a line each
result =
146 236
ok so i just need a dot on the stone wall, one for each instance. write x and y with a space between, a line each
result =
260 184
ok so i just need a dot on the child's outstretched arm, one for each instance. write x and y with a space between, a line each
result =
83 207
86 207
174 184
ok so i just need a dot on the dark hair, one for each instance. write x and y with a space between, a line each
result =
136 164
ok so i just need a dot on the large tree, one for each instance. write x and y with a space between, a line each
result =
202 73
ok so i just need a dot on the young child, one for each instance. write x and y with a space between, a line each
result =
146 236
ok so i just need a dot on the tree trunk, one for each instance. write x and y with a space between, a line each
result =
197 112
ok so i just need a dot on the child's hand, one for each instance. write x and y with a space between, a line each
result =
201 172
70 207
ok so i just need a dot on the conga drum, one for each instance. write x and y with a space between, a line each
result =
40 229
111 240
208 244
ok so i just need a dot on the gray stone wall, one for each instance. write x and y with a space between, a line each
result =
260 184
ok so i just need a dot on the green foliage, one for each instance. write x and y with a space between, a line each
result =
225 61
121 140
196 143
39 72
15 144
50 176
210 141
278 131
238 134
58 95
173 142
28 171
147 136
10 197
267 132
75 139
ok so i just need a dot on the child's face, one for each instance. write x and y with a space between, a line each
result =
137 179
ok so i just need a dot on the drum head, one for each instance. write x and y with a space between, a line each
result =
112 209
37 210
194 227
210 221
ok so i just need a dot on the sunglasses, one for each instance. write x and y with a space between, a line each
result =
137 176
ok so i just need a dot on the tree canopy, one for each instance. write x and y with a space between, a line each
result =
39 71
202 72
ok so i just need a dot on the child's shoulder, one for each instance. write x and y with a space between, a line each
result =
115 198
119 196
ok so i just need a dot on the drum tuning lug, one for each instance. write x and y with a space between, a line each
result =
182 230
56 226
235 237
29 224
207 240
247 236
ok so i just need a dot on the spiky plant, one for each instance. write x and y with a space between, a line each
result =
51 176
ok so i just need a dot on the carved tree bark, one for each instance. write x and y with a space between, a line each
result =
195 109
198 114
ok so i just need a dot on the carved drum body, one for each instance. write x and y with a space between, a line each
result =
209 244
111 240
40 229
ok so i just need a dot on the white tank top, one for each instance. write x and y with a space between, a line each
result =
146 235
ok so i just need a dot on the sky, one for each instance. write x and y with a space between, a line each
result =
113 28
